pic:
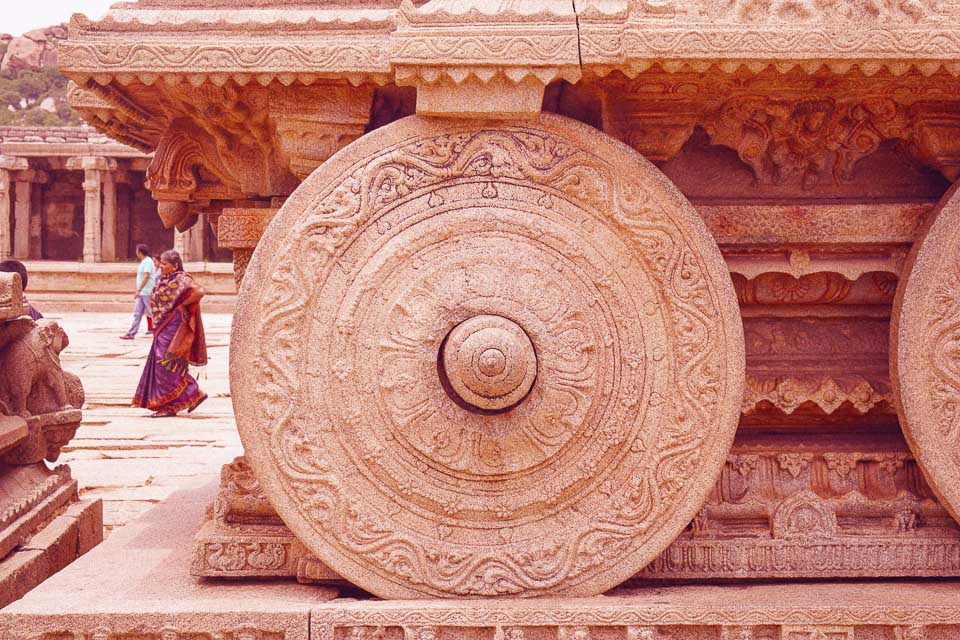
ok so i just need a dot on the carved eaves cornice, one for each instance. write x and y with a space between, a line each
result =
601 36
254 45
494 57
687 35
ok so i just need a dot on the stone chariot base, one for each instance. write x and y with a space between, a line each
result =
137 586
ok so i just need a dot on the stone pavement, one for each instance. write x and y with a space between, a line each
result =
119 454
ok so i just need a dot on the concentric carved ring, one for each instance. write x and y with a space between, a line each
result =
487 360
490 362
925 352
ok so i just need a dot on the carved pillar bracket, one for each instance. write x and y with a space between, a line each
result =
93 168
491 64
185 159
7 164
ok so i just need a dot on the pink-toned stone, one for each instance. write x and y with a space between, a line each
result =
814 138
925 351
504 221
39 413
156 594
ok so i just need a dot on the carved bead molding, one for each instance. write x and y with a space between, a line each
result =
925 352
408 487
497 60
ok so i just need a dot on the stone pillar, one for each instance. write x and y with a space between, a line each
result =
195 243
93 168
92 216
21 215
7 164
4 214
180 243
26 240
37 219
124 207
108 247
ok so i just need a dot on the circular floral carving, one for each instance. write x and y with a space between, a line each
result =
487 360
925 352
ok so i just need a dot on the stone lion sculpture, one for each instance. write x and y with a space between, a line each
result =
32 381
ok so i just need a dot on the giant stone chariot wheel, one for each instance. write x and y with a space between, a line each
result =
487 359
925 352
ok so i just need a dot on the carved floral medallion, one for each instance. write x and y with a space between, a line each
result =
487 360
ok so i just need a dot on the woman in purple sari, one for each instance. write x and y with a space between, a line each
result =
178 341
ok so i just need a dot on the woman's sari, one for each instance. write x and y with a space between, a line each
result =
178 341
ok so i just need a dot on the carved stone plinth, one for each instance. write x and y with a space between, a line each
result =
157 597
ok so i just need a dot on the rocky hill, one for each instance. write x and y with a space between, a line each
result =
32 91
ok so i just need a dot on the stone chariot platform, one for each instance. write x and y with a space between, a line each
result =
137 586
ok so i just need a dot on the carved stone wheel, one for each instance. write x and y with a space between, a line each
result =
925 352
499 359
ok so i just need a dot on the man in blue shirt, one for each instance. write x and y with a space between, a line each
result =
146 274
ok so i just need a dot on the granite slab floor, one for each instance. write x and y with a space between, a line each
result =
121 455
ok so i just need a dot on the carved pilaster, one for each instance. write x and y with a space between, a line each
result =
7 164
4 214
109 229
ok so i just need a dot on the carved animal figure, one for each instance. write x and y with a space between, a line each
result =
31 378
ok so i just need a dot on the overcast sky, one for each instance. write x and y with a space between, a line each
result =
18 16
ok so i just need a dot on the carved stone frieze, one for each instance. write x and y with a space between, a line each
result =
804 140
756 615
827 514
175 630
794 132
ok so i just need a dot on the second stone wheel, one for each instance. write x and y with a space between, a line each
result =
498 359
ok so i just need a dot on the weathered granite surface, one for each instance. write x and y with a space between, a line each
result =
43 526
